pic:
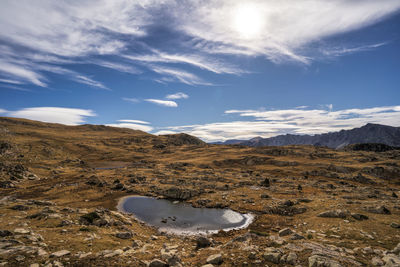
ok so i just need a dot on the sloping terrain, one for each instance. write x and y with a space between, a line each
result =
314 206
370 133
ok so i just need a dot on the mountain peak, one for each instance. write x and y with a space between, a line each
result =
369 133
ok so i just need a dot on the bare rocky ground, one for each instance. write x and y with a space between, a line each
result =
59 187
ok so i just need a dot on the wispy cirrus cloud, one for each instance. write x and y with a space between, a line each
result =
268 123
178 95
340 51
10 81
73 75
178 75
165 103
201 61
68 116
205 33
284 28
22 73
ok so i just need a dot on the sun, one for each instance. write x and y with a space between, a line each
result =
248 20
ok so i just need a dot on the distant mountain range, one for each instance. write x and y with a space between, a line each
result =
369 133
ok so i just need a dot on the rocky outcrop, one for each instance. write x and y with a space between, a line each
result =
374 134
179 193
183 139
378 210
334 214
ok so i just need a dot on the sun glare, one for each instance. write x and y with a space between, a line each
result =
248 20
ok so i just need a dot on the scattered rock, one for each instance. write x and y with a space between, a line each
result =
334 214
288 203
4 233
118 186
158 263
20 207
202 242
321 261
297 237
284 210
359 217
272 255
60 253
396 250
378 210
124 235
391 260
362 179
285 232
179 193
21 231
114 253
376 261
89 218
394 225
215 259
291 258
266 183
299 187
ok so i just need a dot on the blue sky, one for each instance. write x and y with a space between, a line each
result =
214 69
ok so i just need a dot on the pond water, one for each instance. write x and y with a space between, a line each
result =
182 218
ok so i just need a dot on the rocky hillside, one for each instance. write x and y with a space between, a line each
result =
313 206
370 133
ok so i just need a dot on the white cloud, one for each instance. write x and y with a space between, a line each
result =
177 75
76 77
165 103
70 28
200 61
81 31
117 66
68 116
22 73
71 32
10 81
163 132
340 51
3 110
295 121
133 126
177 96
285 28
135 121
89 81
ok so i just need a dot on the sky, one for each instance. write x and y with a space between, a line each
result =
217 70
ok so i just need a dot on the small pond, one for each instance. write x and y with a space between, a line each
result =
182 218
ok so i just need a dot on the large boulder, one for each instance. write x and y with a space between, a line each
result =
334 214
378 210
202 242
272 255
322 261
179 193
215 259
124 235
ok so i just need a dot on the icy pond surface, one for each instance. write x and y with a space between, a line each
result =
181 218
